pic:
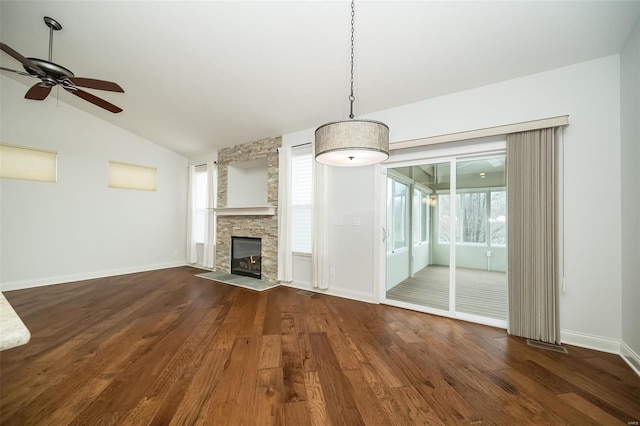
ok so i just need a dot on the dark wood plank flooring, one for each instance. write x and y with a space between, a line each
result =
166 347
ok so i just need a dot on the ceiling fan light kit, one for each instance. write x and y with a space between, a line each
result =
352 142
52 74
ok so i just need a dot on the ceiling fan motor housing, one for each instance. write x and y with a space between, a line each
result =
51 69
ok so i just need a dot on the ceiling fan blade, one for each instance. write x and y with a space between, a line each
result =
92 83
38 92
18 72
18 57
94 100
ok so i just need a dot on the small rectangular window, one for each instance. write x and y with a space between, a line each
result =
28 163
132 176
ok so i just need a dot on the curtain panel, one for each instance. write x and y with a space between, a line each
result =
285 254
319 249
532 242
209 249
192 254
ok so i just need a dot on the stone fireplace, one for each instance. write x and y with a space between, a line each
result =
244 220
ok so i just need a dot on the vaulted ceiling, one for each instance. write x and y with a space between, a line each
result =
204 75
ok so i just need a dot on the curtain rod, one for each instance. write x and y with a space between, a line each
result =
200 165
301 144
562 120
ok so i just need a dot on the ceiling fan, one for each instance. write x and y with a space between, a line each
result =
52 74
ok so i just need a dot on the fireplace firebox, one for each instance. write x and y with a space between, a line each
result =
246 256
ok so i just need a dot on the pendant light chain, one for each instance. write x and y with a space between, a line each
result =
351 97
352 142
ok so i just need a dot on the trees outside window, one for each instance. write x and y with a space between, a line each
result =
479 214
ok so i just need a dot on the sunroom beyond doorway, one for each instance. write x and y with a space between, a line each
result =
446 238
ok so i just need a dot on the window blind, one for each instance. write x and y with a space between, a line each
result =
132 176
27 163
301 199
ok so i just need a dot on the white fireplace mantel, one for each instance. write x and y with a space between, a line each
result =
246 211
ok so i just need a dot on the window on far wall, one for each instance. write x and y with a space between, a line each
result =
479 214
498 219
420 216
201 203
472 217
397 214
301 199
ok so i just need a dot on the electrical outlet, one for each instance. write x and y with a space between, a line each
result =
332 271
356 221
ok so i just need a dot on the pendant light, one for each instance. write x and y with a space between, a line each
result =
352 142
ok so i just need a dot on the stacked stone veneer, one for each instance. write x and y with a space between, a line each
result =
264 227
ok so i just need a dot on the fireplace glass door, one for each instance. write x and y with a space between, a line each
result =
246 256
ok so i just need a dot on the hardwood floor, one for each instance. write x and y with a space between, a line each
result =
166 347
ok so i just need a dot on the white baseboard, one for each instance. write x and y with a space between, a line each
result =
630 357
589 341
338 292
350 294
198 266
17 285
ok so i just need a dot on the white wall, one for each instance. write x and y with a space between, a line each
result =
590 93
247 183
470 256
397 267
421 256
79 228
352 204
630 175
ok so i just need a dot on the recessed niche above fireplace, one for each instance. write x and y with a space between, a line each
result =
247 183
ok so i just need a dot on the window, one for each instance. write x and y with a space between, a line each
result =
444 218
479 214
420 216
301 199
498 218
202 189
398 220
132 176
27 163
471 217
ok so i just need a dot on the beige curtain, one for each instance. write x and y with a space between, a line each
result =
533 235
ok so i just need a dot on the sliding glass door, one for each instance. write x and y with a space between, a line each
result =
481 237
417 270
451 259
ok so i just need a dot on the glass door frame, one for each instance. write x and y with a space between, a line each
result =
429 155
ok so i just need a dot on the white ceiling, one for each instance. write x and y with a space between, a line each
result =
204 75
